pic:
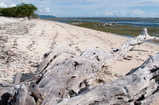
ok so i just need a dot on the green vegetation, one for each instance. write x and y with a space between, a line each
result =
119 29
21 10
0 11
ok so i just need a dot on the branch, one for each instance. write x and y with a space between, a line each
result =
17 78
21 96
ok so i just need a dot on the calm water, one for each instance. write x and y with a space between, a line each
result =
150 22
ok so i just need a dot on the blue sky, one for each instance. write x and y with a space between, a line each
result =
92 8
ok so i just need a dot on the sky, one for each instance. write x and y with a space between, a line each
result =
91 8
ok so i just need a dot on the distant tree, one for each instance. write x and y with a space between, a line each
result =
5 11
11 11
21 10
26 10
0 11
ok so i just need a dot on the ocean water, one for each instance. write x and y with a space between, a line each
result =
145 22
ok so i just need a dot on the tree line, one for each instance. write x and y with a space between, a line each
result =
21 10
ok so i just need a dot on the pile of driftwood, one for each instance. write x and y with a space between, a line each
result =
63 78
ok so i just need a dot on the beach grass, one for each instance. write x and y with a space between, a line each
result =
126 30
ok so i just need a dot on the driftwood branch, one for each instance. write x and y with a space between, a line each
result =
65 78
20 95
17 78
138 87
35 90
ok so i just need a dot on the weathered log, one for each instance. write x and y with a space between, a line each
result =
65 77
106 58
50 56
139 87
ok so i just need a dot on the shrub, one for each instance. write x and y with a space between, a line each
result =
21 10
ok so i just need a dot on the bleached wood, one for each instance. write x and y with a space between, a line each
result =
17 78
138 87
20 95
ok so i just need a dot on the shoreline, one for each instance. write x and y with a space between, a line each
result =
127 36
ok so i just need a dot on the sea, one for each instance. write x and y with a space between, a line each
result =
145 22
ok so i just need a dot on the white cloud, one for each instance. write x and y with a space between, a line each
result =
130 13
42 2
108 13
43 11
125 13
47 10
12 5
137 13
2 5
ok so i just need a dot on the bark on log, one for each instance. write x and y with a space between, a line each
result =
65 78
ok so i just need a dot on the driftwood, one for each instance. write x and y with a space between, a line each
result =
140 86
65 78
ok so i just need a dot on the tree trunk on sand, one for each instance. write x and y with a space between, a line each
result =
64 78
